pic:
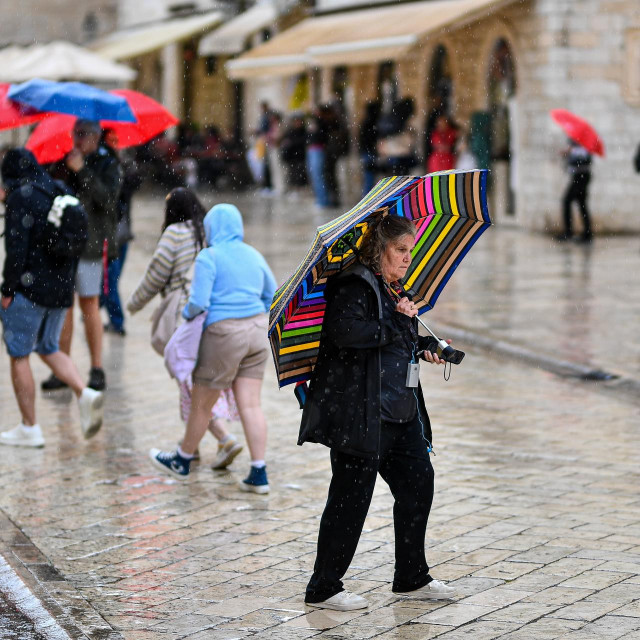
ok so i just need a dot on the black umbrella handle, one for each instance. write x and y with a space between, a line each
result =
444 350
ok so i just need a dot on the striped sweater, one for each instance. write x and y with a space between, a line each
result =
169 266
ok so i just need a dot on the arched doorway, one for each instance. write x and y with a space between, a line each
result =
501 91
439 93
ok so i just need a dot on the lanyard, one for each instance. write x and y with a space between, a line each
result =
410 344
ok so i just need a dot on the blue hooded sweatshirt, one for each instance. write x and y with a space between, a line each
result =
231 278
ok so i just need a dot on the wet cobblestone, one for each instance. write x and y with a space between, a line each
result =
536 516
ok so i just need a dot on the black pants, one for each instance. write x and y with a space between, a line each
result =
405 466
577 192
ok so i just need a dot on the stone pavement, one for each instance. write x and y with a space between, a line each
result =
536 517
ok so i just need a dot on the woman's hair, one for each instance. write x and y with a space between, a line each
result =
383 230
182 205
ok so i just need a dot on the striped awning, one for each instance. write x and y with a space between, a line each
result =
357 37
138 40
230 38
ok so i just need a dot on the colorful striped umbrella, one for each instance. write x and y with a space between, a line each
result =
450 212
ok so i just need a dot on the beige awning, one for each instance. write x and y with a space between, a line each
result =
357 37
60 61
231 37
136 41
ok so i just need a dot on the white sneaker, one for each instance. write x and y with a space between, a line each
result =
91 404
22 436
227 452
435 590
343 601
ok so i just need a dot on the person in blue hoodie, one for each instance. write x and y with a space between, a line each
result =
234 286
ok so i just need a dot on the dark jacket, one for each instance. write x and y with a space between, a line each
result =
292 146
342 409
97 185
28 268
368 136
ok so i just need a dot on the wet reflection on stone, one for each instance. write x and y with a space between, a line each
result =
536 476
14 625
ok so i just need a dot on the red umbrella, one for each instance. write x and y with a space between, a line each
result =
579 130
13 114
51 139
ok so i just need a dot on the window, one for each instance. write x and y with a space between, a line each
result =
90 26
211 66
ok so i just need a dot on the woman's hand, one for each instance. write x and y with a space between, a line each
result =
432 357
407 307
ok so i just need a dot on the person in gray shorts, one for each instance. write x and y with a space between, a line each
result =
94 175
35 293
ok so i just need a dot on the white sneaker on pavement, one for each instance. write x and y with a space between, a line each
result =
22 436
435 590
226 454
343 601
91 404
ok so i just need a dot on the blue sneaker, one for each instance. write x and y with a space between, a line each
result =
256 481
171 462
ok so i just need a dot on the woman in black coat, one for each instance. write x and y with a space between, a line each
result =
360 406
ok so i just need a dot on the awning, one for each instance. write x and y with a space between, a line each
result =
357 37
231 37
135 41
60 61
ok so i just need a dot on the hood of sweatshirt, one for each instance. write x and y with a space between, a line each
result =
222 224
20 166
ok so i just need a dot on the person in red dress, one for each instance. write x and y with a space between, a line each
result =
443 140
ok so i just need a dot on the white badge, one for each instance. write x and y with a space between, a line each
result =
413 374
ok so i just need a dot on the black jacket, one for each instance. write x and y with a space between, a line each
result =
28 268
342 409
97 185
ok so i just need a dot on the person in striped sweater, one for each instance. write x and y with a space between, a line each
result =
182 239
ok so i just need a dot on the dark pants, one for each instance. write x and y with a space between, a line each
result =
112 300
405 466
577 192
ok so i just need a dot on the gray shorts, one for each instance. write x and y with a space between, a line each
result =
89 278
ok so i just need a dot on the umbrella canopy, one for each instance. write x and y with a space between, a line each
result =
450 213
60 61
51 140
72 98
14 115
579 130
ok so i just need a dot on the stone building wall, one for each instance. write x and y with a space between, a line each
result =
574 55
212 98
580 55
25 22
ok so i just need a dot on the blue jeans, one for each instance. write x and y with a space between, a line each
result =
112 300
28 327
315 168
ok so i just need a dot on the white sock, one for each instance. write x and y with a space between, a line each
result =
226 438
30 429
186 456
258 464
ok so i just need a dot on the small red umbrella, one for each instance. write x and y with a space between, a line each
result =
579 130
51 139
14 115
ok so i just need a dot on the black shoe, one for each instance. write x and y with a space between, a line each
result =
53 384
562 237
97 379
585 239
109 328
